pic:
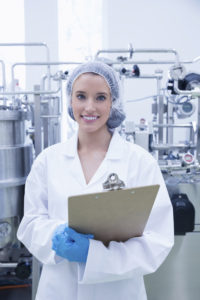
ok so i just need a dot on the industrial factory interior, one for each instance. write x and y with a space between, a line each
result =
147 56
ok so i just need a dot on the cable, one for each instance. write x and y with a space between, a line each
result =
17 286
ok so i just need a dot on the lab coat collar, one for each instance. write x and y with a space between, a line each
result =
115 150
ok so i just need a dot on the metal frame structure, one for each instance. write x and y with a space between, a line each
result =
42 117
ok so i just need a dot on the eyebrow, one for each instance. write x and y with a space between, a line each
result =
80 92
99 93
102 93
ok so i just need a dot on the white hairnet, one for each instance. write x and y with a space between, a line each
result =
117 114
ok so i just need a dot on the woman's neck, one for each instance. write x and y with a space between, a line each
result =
94 141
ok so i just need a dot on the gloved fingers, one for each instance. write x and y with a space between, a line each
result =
89 236
60 229
62 246
76 235
58 237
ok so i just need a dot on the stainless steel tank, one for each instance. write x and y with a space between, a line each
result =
15 163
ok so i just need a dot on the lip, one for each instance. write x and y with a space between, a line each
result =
89 118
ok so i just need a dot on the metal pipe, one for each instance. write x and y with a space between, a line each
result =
143 76
160 112
139 51
173 125
195 92
171 146
37 120
149 62
3 75
28 45
198 131
50 116
113 51
38 64
8 265
153 62
30 92
42 82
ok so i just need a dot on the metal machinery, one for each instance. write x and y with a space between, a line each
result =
30 121
15 163
173 103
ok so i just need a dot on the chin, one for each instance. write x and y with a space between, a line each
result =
92 129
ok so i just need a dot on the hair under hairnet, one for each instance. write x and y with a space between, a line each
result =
117 114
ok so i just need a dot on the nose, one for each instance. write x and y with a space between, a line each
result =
90 105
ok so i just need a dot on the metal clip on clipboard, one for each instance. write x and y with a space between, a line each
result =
113 183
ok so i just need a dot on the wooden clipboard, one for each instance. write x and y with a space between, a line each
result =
112 215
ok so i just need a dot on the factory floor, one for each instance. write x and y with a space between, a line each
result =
15 293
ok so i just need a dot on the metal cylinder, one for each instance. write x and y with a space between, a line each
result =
12 127
15 163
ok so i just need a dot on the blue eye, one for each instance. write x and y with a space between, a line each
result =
101 98
81 97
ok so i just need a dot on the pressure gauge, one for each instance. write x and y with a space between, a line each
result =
185 110
188 158
177 71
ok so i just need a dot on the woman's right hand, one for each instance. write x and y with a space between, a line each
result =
71 245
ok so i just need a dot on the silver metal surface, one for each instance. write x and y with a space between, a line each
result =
198 131
178 277
171 146
30 45
113 182
8 265
133 51
37 121
3 75
195 92
160 112
15 162
12 127
11 201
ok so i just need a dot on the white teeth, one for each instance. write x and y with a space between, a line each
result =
89 118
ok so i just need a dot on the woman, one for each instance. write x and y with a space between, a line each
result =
76 266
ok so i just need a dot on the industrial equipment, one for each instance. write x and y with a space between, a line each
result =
16 157
177 98
30 122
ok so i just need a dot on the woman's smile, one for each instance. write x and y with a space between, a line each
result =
89 119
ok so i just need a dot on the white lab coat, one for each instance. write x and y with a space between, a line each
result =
113 273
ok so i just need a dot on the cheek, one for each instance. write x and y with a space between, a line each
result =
75 107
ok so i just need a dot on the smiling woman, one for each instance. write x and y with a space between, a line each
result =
95 104
91 102
77 266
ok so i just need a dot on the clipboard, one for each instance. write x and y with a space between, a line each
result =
115 215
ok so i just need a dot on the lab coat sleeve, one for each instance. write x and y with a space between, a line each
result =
137 256
36 228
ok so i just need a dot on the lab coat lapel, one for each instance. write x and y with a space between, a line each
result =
77 171
100 173
73 162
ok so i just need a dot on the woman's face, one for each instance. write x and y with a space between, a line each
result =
91 102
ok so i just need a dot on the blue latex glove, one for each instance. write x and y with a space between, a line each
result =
70 244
